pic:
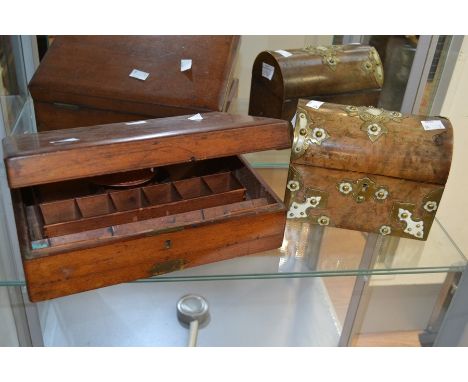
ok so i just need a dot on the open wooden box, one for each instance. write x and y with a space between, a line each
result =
106 204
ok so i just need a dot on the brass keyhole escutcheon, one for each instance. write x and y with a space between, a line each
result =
167 244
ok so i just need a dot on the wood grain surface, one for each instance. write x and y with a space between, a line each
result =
92 72
53 156
71 272
370 215
406 151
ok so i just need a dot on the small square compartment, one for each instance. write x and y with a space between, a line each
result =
192 188
128 199
60 211
95 205
161 193
222 182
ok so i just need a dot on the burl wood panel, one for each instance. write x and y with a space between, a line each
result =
72 272
53 156
93 72
307 74
367 216
406 151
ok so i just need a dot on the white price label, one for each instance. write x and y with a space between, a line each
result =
267 70
135 123
185 65
196 117
139 75
435 124
284 53
314 104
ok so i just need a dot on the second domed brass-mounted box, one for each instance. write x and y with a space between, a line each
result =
346 74
373 170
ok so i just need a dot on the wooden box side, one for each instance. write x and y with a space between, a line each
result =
361 201
76 271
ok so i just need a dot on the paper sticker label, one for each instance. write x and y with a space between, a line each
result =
67 140
432 125
196 117
185 65
139 75
267 70
136 123
293 120
314 104
284 53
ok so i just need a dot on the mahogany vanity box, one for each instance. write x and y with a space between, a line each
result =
368 169
107 204
347 74
85 80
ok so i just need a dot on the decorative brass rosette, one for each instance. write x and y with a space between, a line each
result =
374 119
327 53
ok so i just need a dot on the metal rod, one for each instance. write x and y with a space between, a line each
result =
193 333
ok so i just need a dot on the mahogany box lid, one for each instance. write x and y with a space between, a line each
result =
58 155
94 71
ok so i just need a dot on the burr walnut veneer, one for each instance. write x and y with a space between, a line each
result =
368 169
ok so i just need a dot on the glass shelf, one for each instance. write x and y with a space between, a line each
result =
340 252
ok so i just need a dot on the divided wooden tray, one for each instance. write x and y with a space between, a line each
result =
139 203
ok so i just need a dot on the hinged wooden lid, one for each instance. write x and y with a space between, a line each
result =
373 141
94 71
58 155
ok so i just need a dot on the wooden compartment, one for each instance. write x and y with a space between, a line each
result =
222 182
192 188
60 211
161 193
128 199
95 205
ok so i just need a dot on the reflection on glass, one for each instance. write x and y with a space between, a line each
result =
397 55
435 73
13 88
